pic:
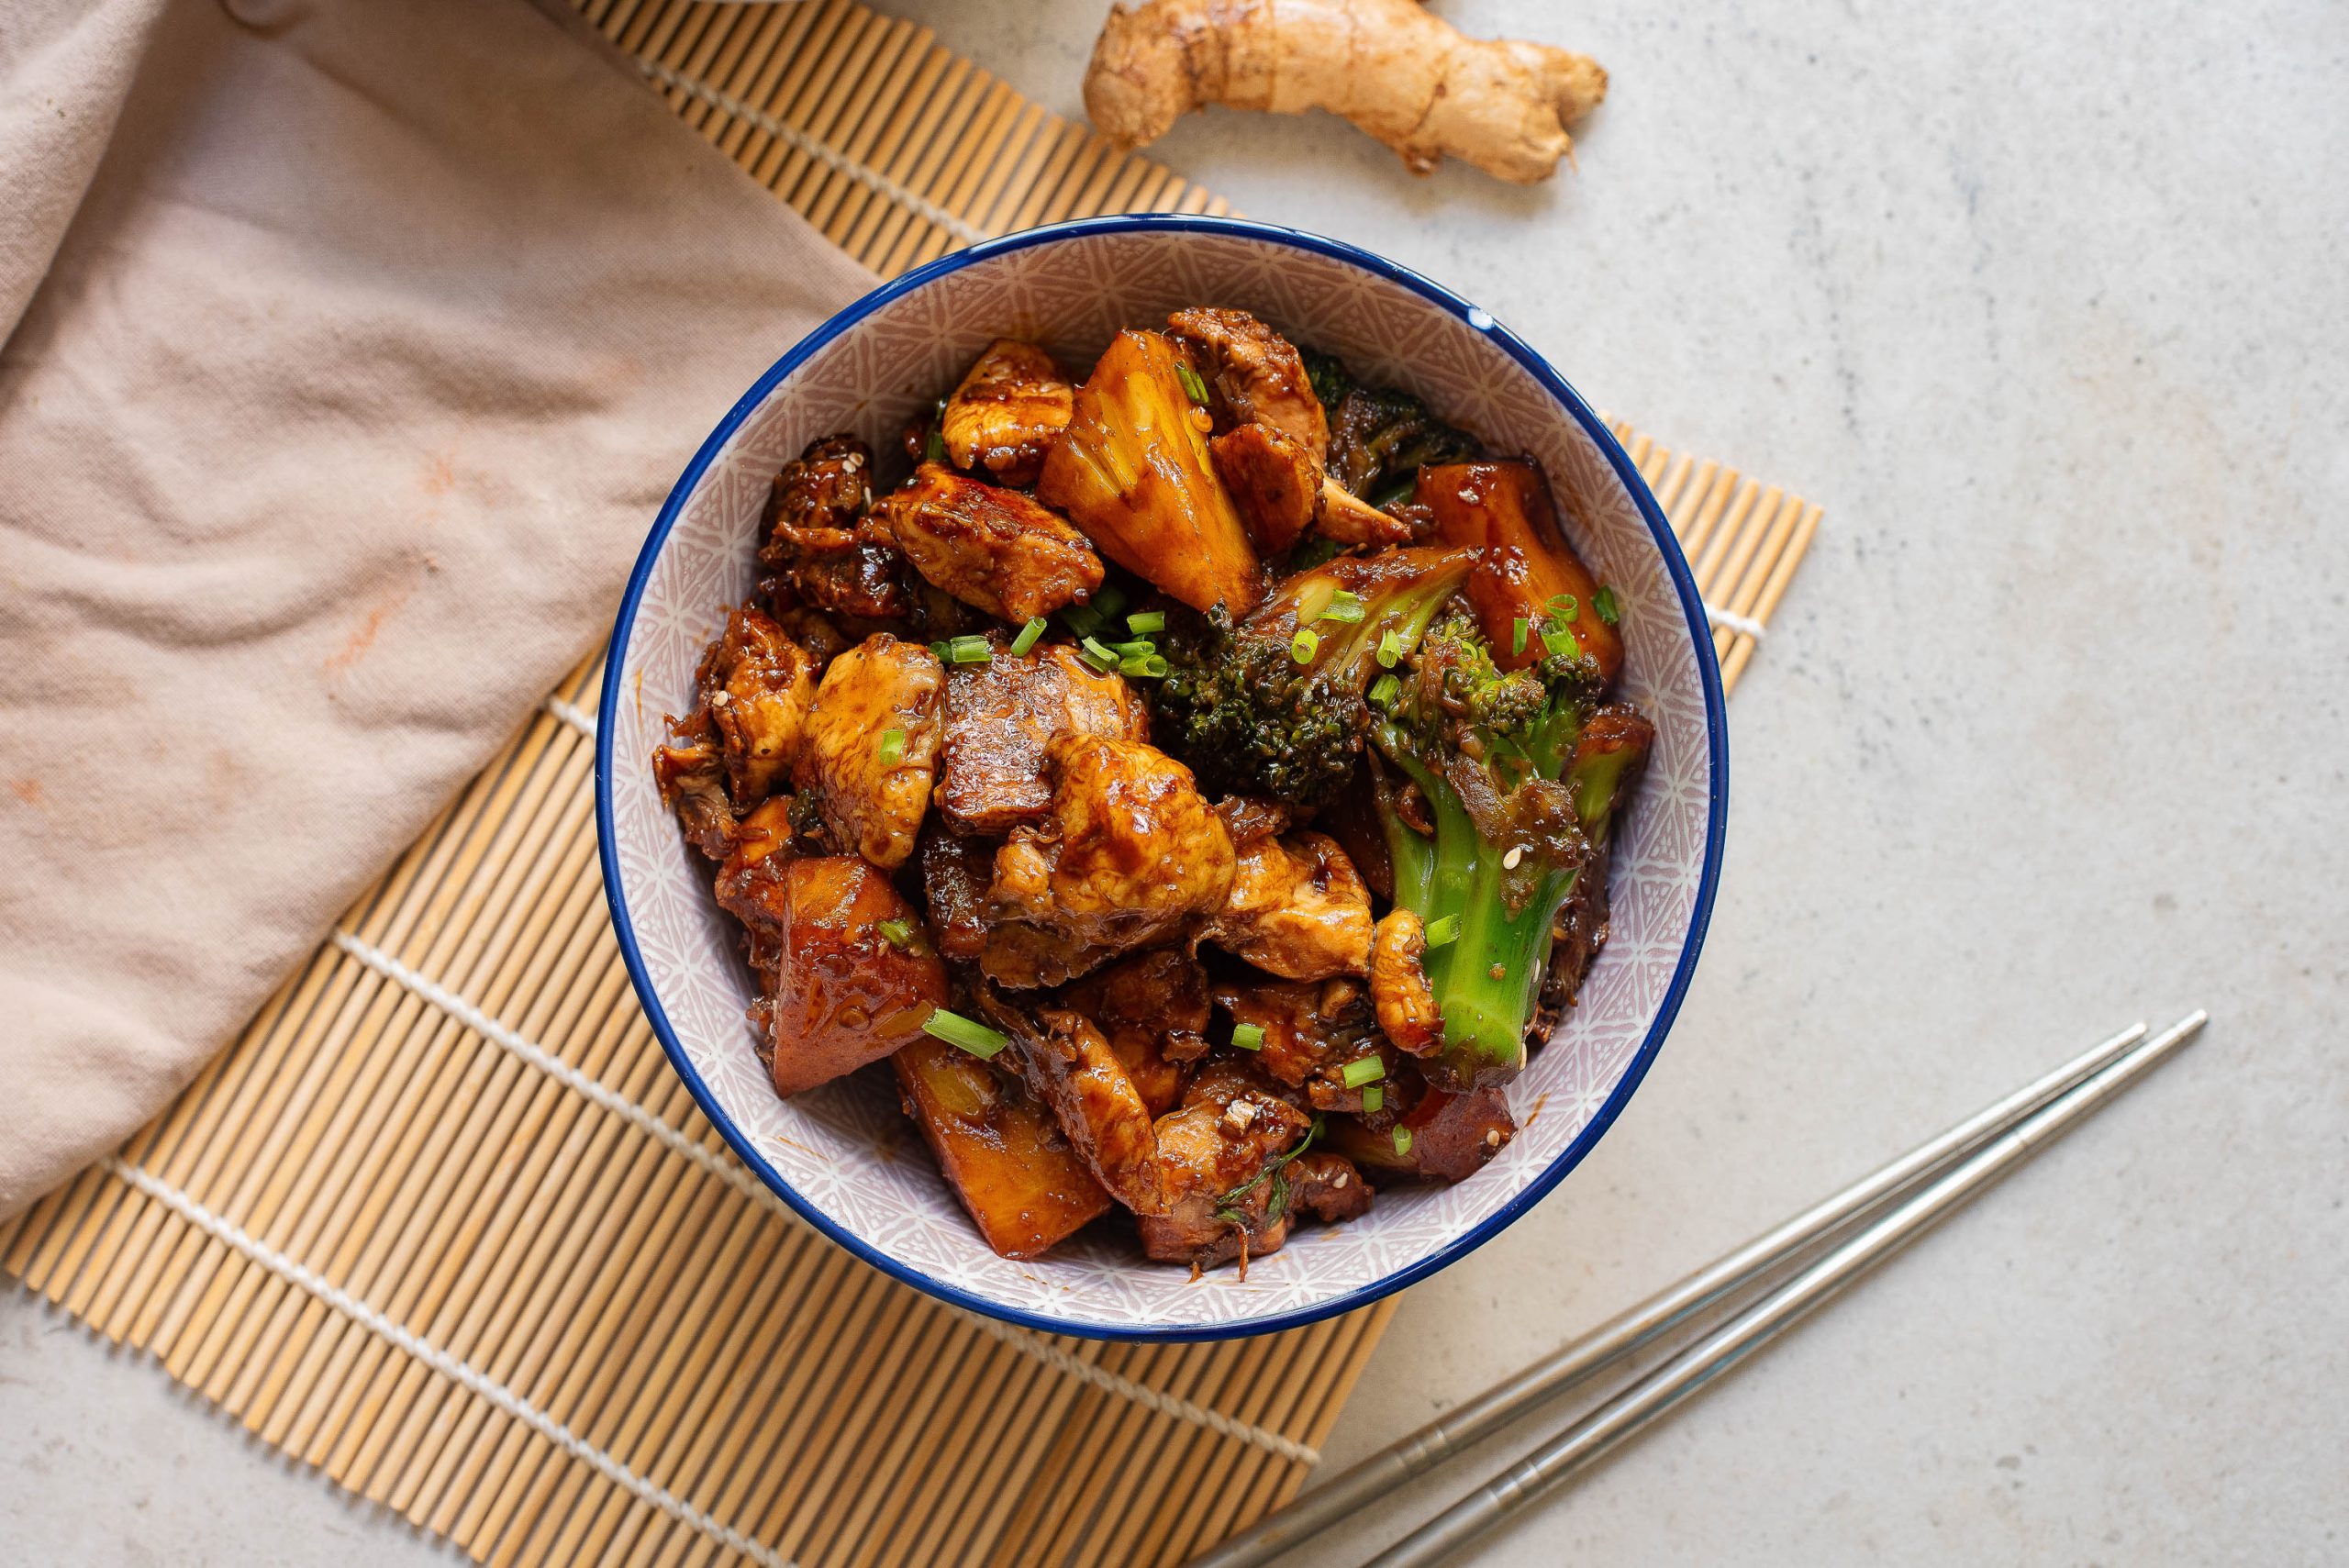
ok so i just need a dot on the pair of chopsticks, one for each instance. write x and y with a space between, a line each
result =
1928 1183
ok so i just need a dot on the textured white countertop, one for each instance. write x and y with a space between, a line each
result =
2045 304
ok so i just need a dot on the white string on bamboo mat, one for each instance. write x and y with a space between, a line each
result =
722 1165
1729 620
839 163
233 1236
570 713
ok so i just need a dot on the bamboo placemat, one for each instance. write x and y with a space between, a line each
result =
442 1223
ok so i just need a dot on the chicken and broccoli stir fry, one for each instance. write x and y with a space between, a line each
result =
1196 781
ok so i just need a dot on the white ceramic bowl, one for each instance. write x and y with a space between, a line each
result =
844 1156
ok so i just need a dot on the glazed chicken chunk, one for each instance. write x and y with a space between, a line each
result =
1236 1170
1128 854
1253 374
1072 1069
753 691
819 539
988 547
872 746
1296 910
1153 1008
1010 404
1273 482
999 717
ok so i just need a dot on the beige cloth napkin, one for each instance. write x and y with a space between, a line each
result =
351 348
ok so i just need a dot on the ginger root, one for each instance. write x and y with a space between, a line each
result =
1409 79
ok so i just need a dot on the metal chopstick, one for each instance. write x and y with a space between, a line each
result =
1472 1422
1587 1438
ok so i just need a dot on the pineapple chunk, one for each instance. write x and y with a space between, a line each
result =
1133 470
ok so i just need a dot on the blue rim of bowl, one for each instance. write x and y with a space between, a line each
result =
1676 563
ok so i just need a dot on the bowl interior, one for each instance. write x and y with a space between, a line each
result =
845 1153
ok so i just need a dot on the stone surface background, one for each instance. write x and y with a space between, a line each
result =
2044 302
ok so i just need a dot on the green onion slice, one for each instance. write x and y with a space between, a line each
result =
1248 1037
1099 654
970 650
1517 636
893 747
1443 932
1372 1097
1390 649
1109 601
1141 623
1083 620
900 933
1363 1070
1301 646
933 448
968 1033
1027 636
1609 609
1402 1141
1192 385
1343 607
1562 641
1384 690
1565 606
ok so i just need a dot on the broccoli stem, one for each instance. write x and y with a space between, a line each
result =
1456 873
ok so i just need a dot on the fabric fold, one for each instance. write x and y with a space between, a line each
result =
363 352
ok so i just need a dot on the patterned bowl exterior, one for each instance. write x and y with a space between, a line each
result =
844 1156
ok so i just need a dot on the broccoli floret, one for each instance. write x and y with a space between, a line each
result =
1521 772
1273 704
1379 438
1328 374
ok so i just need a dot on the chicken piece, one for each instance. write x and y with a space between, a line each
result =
955 873
757 684
1254 375
1399 984
1435 1134
992 548
839 992
999 1148
1248 818
1221 1163
769 830
1010 404
1273 482
1133 470
1340 515
999 717
873 792
1296 910
692 780
829 486
1129 854
1153 1008
818 539
1070 1065
1528 567
1311 1029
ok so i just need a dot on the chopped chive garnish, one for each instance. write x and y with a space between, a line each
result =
1443 932
1565 606
1562 641
1343 607
1135 664
1027 636
1141 623
970 650
1140 648
1192 387
1402 1141
893 747
1390 649
1301 646
900 933
1098 656
933 448
968 1033
1248 1037
943 650
1384 690
1609 609
1109 601
1154 666
1373 1098
1517 636
1363 1070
